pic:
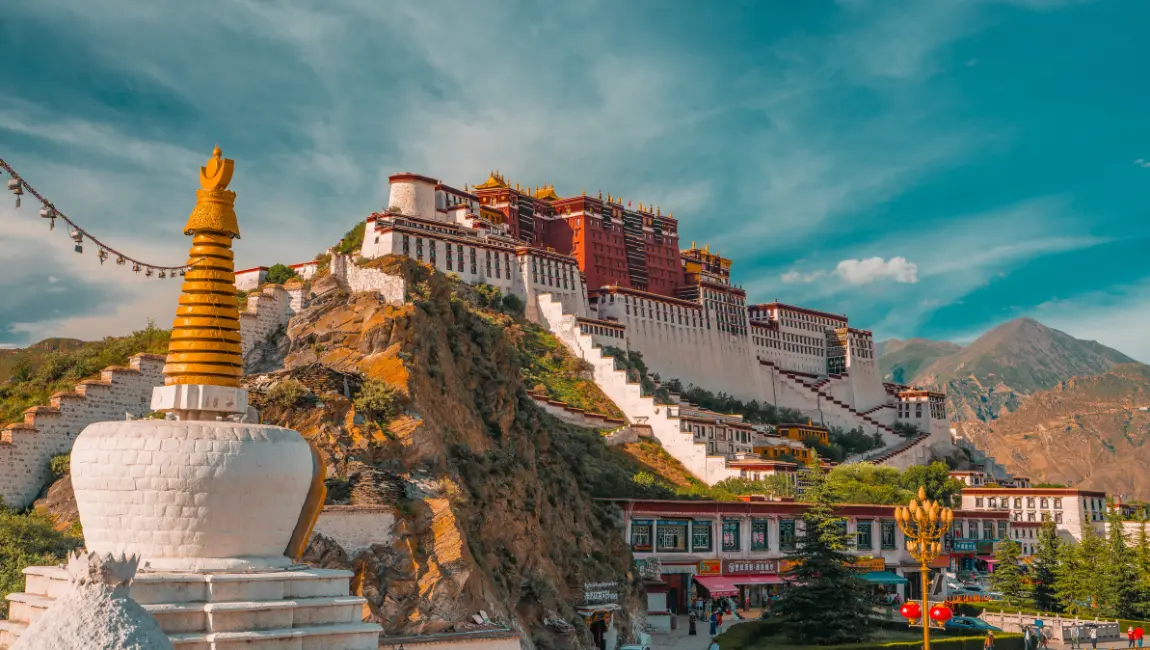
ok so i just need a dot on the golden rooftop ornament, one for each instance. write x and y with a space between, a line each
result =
205 346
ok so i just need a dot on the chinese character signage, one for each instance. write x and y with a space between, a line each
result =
741 567
710 567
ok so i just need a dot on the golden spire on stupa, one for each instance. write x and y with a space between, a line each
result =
205 346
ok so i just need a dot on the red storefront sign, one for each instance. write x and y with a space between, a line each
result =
710 567
744 567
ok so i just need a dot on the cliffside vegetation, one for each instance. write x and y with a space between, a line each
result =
34 373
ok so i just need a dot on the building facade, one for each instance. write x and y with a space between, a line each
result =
1070 509
711 548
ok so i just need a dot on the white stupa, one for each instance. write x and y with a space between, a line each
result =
217 509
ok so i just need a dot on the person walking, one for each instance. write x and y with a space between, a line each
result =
691 623
1094 637
988 643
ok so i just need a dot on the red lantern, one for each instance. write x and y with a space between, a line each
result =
940 613
910 611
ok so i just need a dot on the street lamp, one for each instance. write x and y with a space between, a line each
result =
923 523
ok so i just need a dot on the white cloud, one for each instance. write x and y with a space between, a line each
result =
869 270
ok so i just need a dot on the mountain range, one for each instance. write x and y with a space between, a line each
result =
1045 404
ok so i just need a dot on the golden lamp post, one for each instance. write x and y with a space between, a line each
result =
923 523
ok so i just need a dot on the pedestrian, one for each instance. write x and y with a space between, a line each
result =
691 623
988 644
714 624
1129 637
1094 637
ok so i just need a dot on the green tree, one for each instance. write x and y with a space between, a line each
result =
936 478
280 273
1118 593
825 603
1079 582
1007 576
1044 569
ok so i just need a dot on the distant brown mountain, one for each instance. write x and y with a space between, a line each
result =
1087 432
994 374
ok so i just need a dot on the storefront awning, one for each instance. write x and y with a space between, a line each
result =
883 578
744 581
718 585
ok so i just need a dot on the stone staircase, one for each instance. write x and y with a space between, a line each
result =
845 409
27 448
305 609
662 419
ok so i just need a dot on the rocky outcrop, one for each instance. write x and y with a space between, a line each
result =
497 510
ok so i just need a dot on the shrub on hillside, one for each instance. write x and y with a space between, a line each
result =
289 393
379 401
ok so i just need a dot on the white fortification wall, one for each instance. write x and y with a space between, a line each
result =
27 448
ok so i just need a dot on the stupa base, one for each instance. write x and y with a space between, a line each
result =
290 609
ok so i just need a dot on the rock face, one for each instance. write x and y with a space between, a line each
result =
97 613
495 507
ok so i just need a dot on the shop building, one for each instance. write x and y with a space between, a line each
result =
710 549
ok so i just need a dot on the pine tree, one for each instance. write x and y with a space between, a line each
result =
1118 589
1044 569
825 603
1007 576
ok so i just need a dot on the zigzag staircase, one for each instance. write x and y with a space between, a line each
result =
628 396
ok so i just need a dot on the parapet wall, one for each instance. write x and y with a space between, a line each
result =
27 448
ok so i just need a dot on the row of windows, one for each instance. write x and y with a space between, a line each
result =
1004 502
692 536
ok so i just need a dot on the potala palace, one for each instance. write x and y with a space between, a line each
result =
599 272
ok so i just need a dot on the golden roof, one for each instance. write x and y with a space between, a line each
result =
494 181
547 193
205 345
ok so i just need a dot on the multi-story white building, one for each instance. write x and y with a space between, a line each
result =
1070 509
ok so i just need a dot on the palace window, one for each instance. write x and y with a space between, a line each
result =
863 537
888 534
787 535
730 535
641 535
672 537
700 536
759 528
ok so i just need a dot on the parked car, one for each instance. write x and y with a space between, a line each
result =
960 623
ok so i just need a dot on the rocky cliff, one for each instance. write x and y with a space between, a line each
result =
496 500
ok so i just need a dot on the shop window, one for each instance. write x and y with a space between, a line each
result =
759 532
787 535
731 535
641 535
700 536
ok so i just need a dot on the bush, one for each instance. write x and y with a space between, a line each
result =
288 393
61 465
379 401
280 273
28 540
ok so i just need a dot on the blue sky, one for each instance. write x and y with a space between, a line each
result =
930 168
